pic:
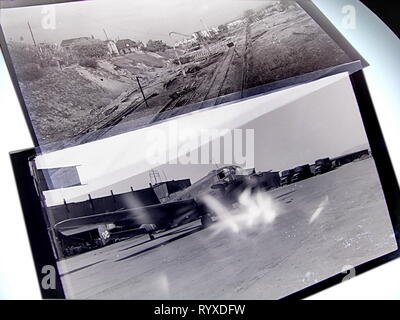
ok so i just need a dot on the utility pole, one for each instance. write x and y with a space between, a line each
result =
141 90
33 38
105 34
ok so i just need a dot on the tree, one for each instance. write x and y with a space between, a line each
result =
140 44
26 60
285 5
156 45
22 53
249 15
91 49
29 72
88 63
223 28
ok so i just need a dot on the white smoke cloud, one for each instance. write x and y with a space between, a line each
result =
253 209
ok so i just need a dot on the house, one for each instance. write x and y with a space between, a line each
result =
125 46
112 47
235 24
185 43
201 35
68 44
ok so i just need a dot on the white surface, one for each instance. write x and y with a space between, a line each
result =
17 273
121 161
381 48
374 41
381 283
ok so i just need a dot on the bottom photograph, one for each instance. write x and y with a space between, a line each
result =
257 199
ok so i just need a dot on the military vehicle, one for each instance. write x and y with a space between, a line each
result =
286 177
301 173
322 166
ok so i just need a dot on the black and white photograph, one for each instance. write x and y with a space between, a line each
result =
253 200
89 65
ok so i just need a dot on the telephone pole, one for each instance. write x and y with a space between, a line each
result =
33 38
141 90
104 30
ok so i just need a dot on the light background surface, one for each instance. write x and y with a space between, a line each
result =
379 46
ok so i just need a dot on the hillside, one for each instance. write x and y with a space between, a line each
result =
65 102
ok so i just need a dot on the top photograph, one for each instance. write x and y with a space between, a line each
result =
85 67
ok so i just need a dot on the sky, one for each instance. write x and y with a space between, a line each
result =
137 20
319 125
291 127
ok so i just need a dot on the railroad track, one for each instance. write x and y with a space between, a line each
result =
222 70
219 77
245 68
98 129
215 89
245 62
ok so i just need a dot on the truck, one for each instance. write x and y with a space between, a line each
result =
286 177
301 173
350 157
322 166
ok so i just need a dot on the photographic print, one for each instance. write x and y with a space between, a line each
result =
88 65
254 200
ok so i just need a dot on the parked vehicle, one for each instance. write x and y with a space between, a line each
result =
350 157
301 173
286 177
322 166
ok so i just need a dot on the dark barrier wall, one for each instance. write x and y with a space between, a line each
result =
347 158
132 199
166 188
177 185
